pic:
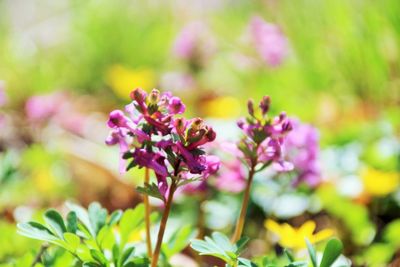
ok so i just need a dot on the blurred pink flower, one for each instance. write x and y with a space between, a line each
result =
269 41
41 107
194 40
177 81
3 95
302 149
232 177
57 107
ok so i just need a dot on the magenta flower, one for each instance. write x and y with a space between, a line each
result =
302 149
269 41
264 137
150 136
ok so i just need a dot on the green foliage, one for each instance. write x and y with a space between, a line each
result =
219 246
150 190
332 251
90 235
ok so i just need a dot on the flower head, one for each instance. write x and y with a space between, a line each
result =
295 238
269 41
264 136
150 135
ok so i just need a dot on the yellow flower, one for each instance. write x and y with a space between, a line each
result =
123 80
294 238
44 179
379 183
222 107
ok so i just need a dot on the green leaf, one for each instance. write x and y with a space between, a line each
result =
150 190
56 222
132 220
332 251
115 217
97 216
242 262
297 264
223 242
289 255
126 256
115 254
37 231
203 248
72 222
311 252
72 240
188 181
83 217
178 241
99 257
138 262
91 264
241 244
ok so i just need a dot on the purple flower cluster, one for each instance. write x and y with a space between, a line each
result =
302 148
150 135
269 41
264 136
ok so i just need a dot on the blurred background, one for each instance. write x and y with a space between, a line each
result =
332 65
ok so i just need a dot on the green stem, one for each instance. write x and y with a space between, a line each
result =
147 215
163 224
38 257
241 220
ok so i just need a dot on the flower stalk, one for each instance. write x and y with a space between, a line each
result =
163 224
243 211
147 209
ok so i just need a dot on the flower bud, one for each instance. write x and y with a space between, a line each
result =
179 125
138 95
250 107
196 124
264 104
211 134
154 96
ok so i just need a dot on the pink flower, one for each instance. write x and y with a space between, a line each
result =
232 177
3 95
269 41
194 42
150 136
302 149
44 106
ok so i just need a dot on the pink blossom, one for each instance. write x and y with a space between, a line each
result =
3 95
269 41
194 41
302 149
232 177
